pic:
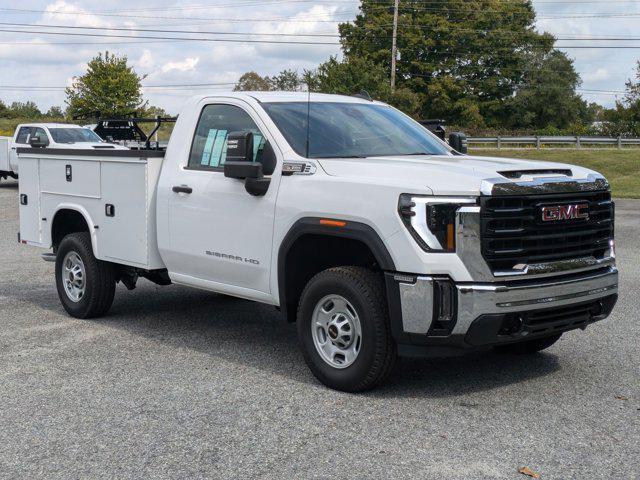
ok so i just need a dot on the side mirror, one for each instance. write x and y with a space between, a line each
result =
458 141
38 142
242 170
240 164
240 147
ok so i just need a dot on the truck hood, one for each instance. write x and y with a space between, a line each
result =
444 174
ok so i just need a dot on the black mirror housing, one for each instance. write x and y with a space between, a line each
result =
38 142
240 164
257 186
458 141
240 147
242 169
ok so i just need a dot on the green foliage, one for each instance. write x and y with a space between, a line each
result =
55 112
252 82
547 94
25 110
478 63
624 119
286 80
349 77
109 88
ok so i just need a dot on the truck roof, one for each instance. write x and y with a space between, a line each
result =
288 97
50 125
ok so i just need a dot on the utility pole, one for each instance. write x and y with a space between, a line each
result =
394 46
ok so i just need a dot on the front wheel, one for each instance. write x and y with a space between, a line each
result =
86 285
344 329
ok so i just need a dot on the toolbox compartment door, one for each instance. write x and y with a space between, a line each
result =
30 220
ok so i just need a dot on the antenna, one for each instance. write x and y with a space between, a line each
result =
308 117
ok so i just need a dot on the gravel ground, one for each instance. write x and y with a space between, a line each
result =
179 383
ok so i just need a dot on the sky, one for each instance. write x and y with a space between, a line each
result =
37 66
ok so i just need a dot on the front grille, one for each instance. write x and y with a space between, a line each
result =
566 318
513 234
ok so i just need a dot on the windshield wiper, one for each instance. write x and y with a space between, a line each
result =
416 154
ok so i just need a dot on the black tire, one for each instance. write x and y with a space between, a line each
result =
364 290
528 347
100 279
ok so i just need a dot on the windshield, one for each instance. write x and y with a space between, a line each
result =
347 130
73 135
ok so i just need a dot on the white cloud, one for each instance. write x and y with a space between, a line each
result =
72 14
44 60
146 60
188 64
597 76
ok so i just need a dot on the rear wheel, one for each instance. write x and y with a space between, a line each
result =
344 330
528 347
86 285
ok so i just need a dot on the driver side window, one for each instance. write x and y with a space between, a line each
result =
209 146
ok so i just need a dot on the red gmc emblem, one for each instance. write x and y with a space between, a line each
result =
565 212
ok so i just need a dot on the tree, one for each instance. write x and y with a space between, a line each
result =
286 80
349 77
25 110
109 88
464 60
631 103
632 94
624 119
252 82
55 112
547 94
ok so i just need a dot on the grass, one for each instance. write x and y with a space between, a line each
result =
621 167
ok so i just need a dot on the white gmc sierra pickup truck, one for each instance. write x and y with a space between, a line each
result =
376 237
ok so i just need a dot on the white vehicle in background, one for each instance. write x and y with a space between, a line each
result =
49 135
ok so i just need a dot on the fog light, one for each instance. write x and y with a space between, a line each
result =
445 302
511 325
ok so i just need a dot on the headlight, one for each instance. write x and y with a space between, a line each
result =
432 220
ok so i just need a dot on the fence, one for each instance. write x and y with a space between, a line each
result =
539 141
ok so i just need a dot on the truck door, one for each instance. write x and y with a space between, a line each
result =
21 141
219 235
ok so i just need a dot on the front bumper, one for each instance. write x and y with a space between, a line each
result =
486 314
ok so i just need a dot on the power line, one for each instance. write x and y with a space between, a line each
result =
282 42
153 30
178 39
327 35
351 14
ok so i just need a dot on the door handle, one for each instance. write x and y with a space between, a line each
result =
182 189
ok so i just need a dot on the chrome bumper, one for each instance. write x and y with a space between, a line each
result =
476 300
416 297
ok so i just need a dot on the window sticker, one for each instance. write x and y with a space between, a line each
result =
257 142
208 146
217 156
